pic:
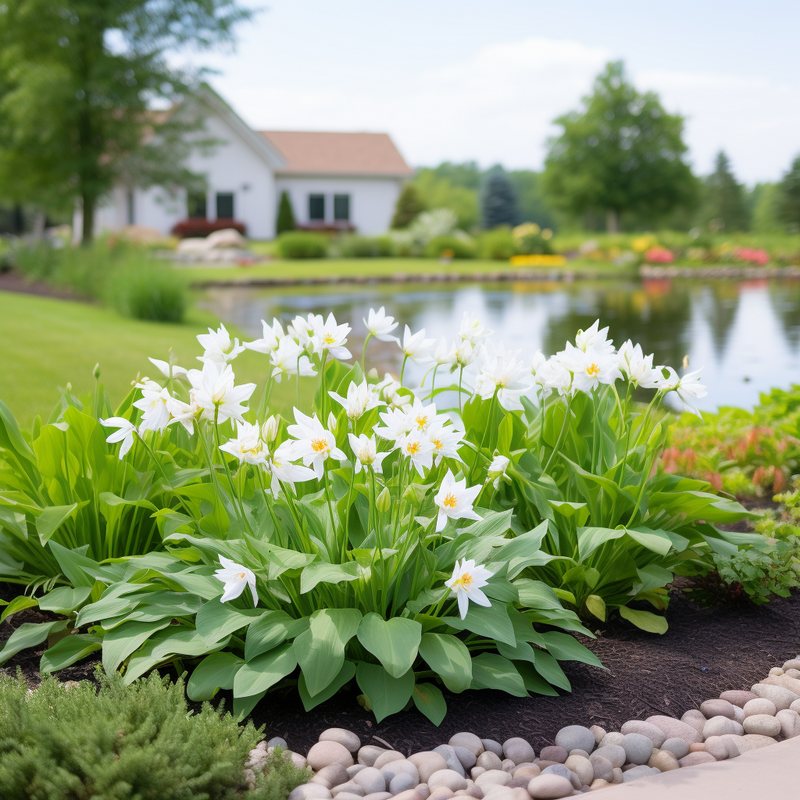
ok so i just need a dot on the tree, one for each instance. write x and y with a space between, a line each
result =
788 200
531 199
499 200
622 152
441 192
88 100
409 205
285 215
724 203
762 207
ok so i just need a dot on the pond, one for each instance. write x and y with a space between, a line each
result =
744 334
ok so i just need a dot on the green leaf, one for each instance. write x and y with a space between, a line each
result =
596 606
264 671
394 642
216 620
323 572
563 647
242 706
65 599
386 695
165 645
646 620
345 675
430 701
550 670
589 539
654 540
29 634
80 570
491 671
68 650
320 649
19 603
213 673
653 577
269 630
122 641
449 657
492 621
11 437
533 681
52 518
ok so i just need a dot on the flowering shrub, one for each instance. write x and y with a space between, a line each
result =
399 539
752 255
659 255
197 227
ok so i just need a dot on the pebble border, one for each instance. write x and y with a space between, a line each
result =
580 760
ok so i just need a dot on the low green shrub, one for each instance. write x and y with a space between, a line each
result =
302 244
763 570
149 292
449 247
122 742
497 245
364 247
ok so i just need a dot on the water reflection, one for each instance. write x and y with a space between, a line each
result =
745 335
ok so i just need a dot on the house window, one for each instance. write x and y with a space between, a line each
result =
130 207
225 205
196 205
316 207
341 207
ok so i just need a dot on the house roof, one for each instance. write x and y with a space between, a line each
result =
314 152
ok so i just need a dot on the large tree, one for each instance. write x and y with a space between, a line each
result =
788 200
724 201
88 99
498 200
622 152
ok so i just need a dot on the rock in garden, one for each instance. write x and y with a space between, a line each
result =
402 782
378 796
310 791
638 748
738 714
598 732
507 764
793 673
448 753
716 708
738 698
792 684
614 753
493 777
332 775
368 754
753 741
351 787
779 695
492 746
759 706
554 753
476 771
654 734
549 787
722 747
276 741
599 783
693 759
427 762
400 767
678 747
718 726
699 747
575 737
371 780
442 793
323 754
790 723
642 771
387 757
301 762
793 663
763 724
583 768
423 789
601 767
468 740
695 719
676 728
526 771
518 750
466 757
614 737
344 737
448 778
490 761
663 761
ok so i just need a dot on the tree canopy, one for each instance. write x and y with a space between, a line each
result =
622 152
499 200
724 202
788 200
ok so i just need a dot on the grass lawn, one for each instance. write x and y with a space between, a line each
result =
47 343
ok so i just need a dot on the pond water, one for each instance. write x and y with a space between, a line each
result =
744 334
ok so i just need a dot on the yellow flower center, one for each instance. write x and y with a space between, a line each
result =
437 443
241 576
465 581
451 502
422 421
413 448
318 445
593 370
329 339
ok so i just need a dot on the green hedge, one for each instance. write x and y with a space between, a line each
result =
438 247
302 244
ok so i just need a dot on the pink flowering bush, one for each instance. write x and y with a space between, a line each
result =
659 255
752 255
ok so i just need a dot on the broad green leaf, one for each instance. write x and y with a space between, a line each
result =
65 599
596 606
68 650
589 539
653 577
216 620
323 572
122 641
79 569
52 518
533 681
269 630
264 671
493 523
213 673
242 706
490 671
386 695
449 658
492 621
19 603
430 701
565 648
646 620
657 541
29 634
165 645
550 670
345 675
320 649
394 642
11 436
569 510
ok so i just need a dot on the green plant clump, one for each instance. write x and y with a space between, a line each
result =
149 292
364 247
498 245
449 247
302 244
122 742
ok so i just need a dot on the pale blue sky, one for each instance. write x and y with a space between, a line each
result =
483 80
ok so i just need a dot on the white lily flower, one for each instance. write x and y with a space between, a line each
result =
284 471
365 449
247 446
314 444
125 433
397 423
215 392
445 353
637 367
421 416
236 579
502 373
380 325
455 500
465 354
269 341
594 339
416 346
331 337
289 358
472 330
419 450
537 362
184 413
466 584
218 346
154 407
303 329
589 368
360 399
688 388
445 439
166 369
553 376
497 470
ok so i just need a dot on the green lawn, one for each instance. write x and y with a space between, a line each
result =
47 343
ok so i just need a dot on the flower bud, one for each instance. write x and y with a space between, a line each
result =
96 371
384 501
269 430
373 373
331 422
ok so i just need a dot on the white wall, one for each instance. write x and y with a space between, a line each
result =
372 200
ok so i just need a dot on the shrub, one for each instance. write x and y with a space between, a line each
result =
192 228
152 292
302 244
120 742
449 247
659 255
285 220
763 570
409 206
364 247
531 240
498 244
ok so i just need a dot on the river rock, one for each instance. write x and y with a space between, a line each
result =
423 789
448 753
378 796
368 754
638 748
676 728
575 737
722 747
738 698
490 761
331 775
753 741
507 764
427 762
598 732
759 706
678 747
792 684
695 719
468 740
310 791
583 768
790 723
301 762
492 746
400 767
716 708
718 726
448 778
344 737
663 761
762 724
564 772
518 750
323 754
654 734
793 663
372 780
641 771
351 787
613 737
354 770
738 714
350 795
614 753
387 757
793 673
402 782
442 793
698 747
549 787
466 757
554 753
494 777
693 759
602 767
779 695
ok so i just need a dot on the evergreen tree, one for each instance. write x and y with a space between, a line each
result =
725 206
788 200
409 205
499 200
286 220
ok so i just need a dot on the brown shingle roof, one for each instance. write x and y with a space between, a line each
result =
312 152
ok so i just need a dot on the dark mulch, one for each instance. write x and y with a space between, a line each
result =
12 281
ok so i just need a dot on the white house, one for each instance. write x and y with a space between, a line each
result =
334 180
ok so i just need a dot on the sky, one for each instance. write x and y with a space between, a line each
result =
483 80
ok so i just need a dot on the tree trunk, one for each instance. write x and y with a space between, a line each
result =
612 220
87 234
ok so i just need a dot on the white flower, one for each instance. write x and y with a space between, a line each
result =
154 407
444 438
314 443
304 329
361 397
537 362
421 416
445 353
594 339
284 471
125 433
416 346
589 368
218 346
185 413
455 500
502 373
466 585
216 394
331 337
396 424
271 338
553 376
688 388
390 389
638 367
236 578
365 449
472 330
288 358
497 470
380 325
247 446
419 450
465 354
167 369
269 430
